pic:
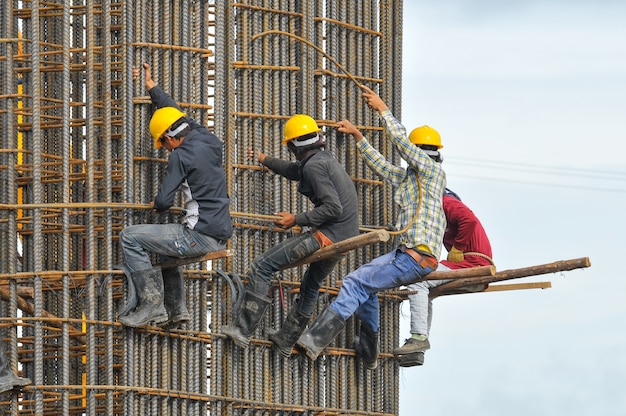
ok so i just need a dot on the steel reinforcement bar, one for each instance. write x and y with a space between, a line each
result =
77 165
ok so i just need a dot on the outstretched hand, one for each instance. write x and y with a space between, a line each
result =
150 83
372 99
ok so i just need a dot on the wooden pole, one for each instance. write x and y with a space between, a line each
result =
30 310
480 271
373 237
557 266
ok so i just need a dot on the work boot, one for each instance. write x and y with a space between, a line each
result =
412 345
285 337
247 318
411 360
366 346
174 298
8 379
321 333
150 309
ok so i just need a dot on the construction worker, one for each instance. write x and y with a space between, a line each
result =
195 167
8 379
333 218
421 215
468 246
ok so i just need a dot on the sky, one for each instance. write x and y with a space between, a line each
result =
530 100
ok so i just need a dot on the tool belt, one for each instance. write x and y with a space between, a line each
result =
321 238
423 260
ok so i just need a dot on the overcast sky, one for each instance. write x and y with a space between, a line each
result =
530 101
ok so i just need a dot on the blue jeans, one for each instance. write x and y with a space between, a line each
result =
359 291
168 241
288 251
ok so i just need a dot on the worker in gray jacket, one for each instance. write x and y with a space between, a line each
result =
334 218
195 167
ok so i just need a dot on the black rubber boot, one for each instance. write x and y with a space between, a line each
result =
321 333
247 318
174 298
150 309
285 337
366 346
8 379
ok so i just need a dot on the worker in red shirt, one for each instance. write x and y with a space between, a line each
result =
468 246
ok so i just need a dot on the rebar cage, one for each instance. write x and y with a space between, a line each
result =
78 164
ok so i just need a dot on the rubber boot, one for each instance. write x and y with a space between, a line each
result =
285 337
366 346
174 298
247 318
8 379
150 309
321 333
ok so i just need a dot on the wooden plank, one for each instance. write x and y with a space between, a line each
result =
188 260
519 286
496 288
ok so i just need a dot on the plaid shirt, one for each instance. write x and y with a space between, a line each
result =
428 229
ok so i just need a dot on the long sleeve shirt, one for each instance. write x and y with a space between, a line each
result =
325 182
427 230
195 166
466 233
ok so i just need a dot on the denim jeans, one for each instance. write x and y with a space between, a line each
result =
358 293
168 241
284 253
421 305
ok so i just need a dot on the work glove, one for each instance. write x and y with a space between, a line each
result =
455 255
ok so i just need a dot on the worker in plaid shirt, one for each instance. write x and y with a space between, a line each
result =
419 191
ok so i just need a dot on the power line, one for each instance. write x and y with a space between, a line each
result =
535 168
554 185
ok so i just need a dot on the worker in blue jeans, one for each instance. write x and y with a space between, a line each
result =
419 191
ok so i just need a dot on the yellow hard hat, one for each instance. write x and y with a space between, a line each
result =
425 135
161 120
299 125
